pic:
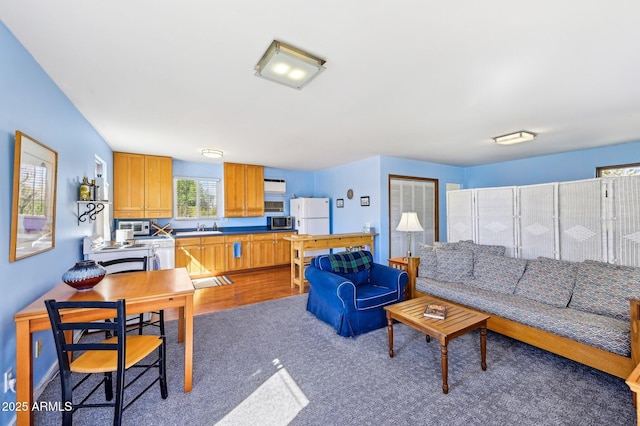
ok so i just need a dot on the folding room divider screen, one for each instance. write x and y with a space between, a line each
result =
595 219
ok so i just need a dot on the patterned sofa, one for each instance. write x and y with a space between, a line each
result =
586 311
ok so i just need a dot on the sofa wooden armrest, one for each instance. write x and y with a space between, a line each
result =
635 331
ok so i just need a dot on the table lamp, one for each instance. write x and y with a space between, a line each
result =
409 223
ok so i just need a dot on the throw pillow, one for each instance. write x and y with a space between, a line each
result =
351 262
605 289
454 266
548 281
496 273
337 263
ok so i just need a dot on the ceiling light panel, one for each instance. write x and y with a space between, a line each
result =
288 65
514 138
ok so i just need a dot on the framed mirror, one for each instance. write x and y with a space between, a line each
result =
33 211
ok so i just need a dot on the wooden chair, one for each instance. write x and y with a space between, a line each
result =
134 264
114 355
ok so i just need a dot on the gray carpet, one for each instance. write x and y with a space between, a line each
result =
354 382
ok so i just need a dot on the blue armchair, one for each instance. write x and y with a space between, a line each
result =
348 291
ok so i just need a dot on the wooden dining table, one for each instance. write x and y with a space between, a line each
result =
143 292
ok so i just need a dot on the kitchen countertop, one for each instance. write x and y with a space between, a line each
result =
235 230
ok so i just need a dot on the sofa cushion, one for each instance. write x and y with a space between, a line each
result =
451 246
371 296
605 289
610 334
481 248
454 265
548 281
496 273
428 261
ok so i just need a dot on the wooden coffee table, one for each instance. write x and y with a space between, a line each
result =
458 321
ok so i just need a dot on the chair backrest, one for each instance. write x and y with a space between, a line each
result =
125 264
63 330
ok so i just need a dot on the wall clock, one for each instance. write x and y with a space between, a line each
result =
350 194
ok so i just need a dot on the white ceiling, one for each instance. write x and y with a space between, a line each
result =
421 79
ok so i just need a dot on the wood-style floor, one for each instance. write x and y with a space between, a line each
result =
247 288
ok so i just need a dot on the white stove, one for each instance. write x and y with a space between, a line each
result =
160 251
163 247
94 248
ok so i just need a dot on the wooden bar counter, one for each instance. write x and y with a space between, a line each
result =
302 243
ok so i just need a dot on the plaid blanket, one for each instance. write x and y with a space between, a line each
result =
348 263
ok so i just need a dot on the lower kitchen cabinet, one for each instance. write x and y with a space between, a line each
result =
188 254
201 256
262 250
215 255
238 252
283 248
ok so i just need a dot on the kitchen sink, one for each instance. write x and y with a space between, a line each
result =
197 233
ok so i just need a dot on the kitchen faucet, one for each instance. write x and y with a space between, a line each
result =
200 227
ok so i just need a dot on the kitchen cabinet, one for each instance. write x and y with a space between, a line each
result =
283 248
215 255
188 255
201 255
142 186
212 253
270 249
263 250
238 252
243 190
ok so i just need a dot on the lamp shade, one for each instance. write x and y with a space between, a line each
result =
409 223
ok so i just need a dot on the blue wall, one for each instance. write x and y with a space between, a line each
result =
298 183
32 103
567 166
396 166
370 177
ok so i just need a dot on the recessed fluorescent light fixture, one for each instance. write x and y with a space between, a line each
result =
513 138
288 65
212 153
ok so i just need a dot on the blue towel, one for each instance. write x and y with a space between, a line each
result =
156 262
237 249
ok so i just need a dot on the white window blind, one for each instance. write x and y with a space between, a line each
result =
411 195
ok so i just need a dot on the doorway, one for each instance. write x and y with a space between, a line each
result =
412 194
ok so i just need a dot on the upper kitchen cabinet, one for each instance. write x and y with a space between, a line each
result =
243 190
142 186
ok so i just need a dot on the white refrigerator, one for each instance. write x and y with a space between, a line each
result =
311 215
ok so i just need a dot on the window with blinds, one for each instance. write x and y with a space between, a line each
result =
33 190
195 198
409 194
